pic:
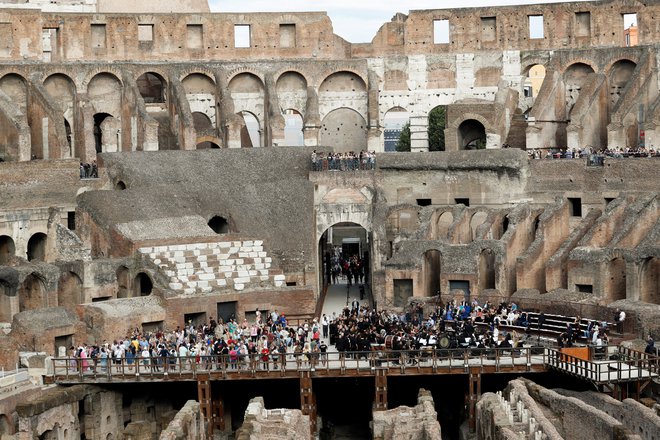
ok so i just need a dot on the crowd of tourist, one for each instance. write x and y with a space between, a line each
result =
350 270
89 170
350 161
589 152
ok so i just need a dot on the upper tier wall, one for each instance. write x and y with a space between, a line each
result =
178 36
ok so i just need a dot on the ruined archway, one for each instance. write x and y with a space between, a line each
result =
432 271
152 87
32 293
7 249
292 90
63 91
615 280
203 129
471 135
69 290
200 93
105 96
344 130
106 134
533 80
487 269
6 300
15 87
396 122
343 90
442 226
619 76
649 285
477 219
293 128
36 248
123 282
574 77
250 130
142 285
344 247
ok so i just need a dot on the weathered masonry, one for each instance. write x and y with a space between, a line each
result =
542 76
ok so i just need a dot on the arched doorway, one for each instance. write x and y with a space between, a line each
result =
487 269
250 130
99 141
203 128
5 302
31 294
7 249
396 129
471 135
477 219
123 282
442 226
69 290
615 281
344 258
432 270
344 130
152 88
649 285
619 77
36 248
436 128
142 285
293 128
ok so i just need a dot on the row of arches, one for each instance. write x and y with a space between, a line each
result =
33 292
36 248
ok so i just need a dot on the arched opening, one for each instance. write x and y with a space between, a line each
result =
200 93
616 280
250 130
120 185
478 219
219 225
436 129
619 77
123 282
36 248
69 290
203 128
99 120
293 128
152 88
15 87
67 130
487 269
442 226
649 285
344 254
5 426
342 82
207 145
5 303
31 293
574 77
533 81
396 129
344 130
7 249
471 135
142 285
432 267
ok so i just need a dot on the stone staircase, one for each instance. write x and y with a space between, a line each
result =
206 267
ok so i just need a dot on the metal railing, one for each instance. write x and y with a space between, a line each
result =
332 363
606 364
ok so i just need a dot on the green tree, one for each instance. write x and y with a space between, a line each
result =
437 122
403 144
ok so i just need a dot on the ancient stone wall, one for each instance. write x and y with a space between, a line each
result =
188 424
417 423
261 423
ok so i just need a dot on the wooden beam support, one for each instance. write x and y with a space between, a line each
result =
474 394
205 401
380 399
308 400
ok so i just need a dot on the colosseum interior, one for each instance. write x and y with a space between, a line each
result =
204 202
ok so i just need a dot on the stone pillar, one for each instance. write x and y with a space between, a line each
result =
474 394
419 133
380 399
273 119
308 400
312 122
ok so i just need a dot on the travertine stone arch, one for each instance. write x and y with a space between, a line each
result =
477 219
7 249
649 280
615 279
201 92
15 87
344 129
440 227
32 293
69 290
61 88
343 89
291 87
